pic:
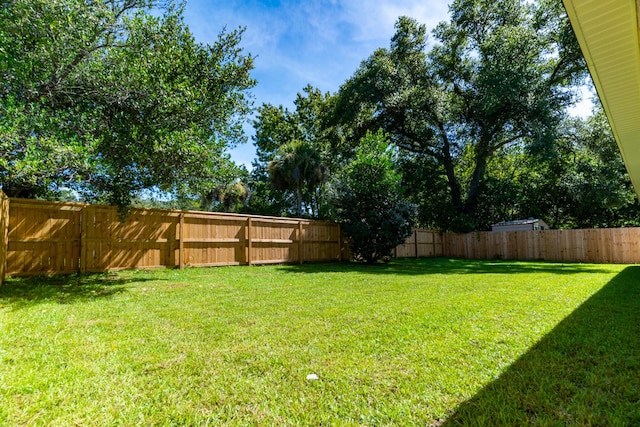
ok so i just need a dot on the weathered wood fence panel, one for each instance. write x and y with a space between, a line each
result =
320 241
43 237
145 239
605 245
50 238
421 243
275 241
4 234
213 239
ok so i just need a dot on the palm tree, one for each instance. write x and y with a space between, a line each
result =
297 165
230 196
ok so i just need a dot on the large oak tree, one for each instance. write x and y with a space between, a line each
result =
111 97
499 73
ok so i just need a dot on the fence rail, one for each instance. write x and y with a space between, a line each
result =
55 237
603 245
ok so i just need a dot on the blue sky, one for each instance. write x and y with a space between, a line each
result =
317 42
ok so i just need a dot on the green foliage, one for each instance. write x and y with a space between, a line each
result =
111 98
369 202
582 182
578 182
230 191
296 167
277 127
494 79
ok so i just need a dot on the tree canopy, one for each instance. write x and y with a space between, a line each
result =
295 167
110 100
276 129
112 97
494 78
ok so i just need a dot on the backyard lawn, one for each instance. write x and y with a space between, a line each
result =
413 342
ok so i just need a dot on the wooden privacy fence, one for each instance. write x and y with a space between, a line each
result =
421 243
38 237
54 237
603 245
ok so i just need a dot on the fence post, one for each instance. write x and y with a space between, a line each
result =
300 248
415 240
4 234
339 244
181 242
249 244
83 239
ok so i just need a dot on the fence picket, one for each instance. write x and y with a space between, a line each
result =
47 236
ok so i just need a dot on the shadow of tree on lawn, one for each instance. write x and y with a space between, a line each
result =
18 293
586 371
420 266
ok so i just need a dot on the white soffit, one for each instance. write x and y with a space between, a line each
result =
608 34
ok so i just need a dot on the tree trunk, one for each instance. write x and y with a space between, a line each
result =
482 154
454 186
447 162
299 198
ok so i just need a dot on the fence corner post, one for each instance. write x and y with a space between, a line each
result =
181 242
4 234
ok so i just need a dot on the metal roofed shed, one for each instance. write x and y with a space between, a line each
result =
520 225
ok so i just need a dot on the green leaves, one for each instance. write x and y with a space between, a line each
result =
144 105
297 166
369 201
495 78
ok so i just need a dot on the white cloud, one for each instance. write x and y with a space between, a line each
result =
375 20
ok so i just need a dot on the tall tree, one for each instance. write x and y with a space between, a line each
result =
295 167
493 79
579 181
229 192
276 127
582 182
113 97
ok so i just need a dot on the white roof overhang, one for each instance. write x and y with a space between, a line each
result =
608 33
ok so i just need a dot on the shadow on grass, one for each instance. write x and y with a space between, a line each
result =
18 293
418 266
586 371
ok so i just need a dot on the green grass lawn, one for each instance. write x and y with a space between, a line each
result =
414 342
